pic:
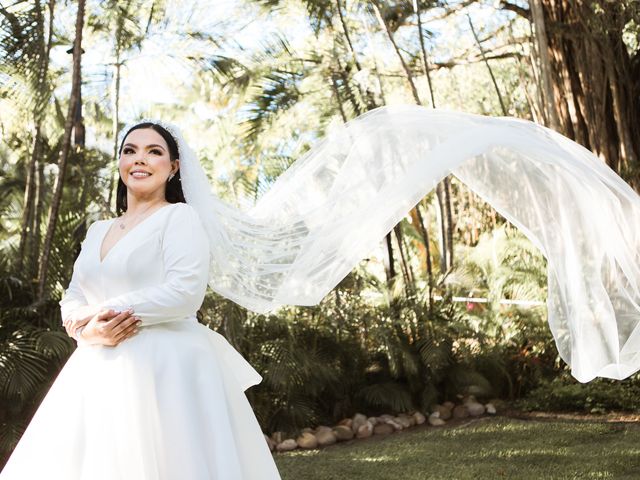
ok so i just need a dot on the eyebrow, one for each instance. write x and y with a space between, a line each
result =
148 146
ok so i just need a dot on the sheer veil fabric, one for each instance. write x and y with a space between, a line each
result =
333 205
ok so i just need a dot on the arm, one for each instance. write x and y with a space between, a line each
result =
185 255
73 304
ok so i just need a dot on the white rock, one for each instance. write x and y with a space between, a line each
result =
365 431
404 420
460 411
357 421
491 409
419 418
271 443
346 422
475 409
343 433
287 445
435 420
326 437
307 440
383 429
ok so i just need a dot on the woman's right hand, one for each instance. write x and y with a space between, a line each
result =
110 327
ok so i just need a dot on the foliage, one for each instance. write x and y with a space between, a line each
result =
564 393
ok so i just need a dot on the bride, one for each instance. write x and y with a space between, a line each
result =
151 394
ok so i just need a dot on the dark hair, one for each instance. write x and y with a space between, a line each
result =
173 192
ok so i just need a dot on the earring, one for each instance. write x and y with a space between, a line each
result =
170 177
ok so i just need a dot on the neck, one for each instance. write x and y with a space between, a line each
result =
137 205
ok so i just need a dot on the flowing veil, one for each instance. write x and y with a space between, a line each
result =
333 205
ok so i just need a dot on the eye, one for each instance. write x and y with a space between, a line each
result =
127 150
155 150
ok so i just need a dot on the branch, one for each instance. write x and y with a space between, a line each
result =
523 12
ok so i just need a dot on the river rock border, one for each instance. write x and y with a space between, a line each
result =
360 426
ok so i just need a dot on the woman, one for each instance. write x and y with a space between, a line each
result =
150 393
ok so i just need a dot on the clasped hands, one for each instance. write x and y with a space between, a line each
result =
102 326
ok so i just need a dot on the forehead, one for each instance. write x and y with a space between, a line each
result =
145 136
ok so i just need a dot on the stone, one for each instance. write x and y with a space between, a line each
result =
419 418
357 421
383 429
435 420
475 409
373 420
277 437
307 430
491 409
460 411
405 421
391 421
469 399
287 445
343 432
322 429
326 437
307 440
346 422
449 405
270 443
365 431
444 411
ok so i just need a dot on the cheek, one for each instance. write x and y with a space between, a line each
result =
160 164
123 166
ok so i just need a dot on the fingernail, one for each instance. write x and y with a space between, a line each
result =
138 322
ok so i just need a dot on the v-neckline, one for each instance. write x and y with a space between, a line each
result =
108 229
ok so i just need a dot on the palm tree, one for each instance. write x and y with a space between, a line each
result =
25 44
64 152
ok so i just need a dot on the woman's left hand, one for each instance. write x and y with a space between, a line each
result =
79 318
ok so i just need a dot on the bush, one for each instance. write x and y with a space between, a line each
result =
598 396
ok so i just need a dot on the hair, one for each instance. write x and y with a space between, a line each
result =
173 191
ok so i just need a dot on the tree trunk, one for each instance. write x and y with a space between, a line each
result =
486 62
405 67
427 245
26 231
390 268
26 234
537 15
595 79
64 153
425 59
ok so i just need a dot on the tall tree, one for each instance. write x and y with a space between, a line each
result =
64 152
595 75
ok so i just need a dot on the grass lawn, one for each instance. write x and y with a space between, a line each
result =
486 448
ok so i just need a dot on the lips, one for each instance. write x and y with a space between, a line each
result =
140 174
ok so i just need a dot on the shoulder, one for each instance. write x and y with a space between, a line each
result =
96 225
184 214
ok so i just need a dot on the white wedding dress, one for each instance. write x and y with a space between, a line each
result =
165 404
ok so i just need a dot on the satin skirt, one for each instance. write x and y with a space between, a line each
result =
166 404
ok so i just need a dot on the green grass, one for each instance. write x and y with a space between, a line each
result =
489 448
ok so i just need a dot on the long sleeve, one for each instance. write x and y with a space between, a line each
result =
73 298
185 256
